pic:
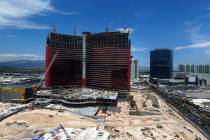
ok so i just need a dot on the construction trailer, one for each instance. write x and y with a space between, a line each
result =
96 60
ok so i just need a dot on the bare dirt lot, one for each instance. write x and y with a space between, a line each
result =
153 121
23 124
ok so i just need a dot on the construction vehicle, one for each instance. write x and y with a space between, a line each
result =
61 110
38 133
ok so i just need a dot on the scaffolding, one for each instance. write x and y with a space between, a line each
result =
79 97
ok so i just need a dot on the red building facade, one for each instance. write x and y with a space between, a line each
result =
107 60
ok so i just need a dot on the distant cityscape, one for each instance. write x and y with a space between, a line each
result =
191 68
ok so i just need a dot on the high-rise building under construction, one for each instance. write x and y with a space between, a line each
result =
97 60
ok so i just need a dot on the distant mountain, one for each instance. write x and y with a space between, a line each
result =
23 64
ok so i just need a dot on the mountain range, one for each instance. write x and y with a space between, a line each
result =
23 64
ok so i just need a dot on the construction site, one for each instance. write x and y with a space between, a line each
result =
88 96
142 115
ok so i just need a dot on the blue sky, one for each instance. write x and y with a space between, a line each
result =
183 25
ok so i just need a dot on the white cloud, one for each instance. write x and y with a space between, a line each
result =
65 13
194 45
134 49
16 13
126 30
11 36
208 52
195 36
13 56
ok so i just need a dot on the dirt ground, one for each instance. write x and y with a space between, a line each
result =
23 124
151 122
160 123
5 105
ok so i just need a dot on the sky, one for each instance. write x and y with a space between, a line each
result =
182 25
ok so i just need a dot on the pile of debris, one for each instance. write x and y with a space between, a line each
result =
155 102
116 133
133 110
147 132
18 124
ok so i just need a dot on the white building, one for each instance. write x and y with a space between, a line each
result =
134 70
188 68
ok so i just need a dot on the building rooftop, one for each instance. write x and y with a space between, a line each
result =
157 49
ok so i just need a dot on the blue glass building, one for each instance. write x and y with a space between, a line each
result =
161 63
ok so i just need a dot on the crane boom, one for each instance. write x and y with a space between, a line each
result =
47 70
67 135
